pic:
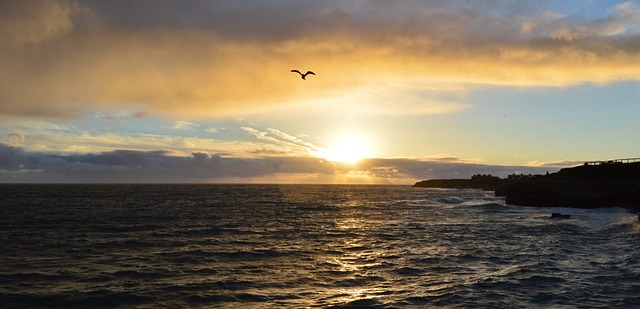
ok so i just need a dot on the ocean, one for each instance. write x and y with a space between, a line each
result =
307 246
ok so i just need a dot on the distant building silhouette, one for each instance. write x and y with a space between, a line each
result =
615 161
515 176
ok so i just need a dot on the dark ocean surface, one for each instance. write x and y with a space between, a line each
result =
299 246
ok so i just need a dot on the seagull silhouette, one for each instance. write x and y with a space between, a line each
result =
303 75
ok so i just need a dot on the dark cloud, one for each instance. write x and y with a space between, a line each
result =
121 166
35 21
15 139
428 169
239 19
18 165
289 19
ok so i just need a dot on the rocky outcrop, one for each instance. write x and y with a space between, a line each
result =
573 193
610 185
557 215
482 184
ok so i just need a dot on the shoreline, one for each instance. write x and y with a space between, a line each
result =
607 185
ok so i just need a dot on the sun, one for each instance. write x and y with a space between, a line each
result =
348 151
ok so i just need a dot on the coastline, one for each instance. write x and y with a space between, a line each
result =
605 185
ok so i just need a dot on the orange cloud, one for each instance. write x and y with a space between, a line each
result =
58 68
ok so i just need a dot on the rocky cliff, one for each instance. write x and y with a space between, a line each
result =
589 186
483 184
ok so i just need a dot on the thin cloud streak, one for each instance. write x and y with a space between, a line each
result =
65 141
291 144
47 137
185 125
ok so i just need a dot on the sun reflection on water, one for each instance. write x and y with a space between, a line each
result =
355 259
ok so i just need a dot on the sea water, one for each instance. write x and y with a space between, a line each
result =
306 246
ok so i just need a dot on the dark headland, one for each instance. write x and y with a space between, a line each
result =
614 183
482 182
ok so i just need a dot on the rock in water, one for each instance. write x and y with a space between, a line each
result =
557 215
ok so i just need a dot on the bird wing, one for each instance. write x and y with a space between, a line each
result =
296 71
309 72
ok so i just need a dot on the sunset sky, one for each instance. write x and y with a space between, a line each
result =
201 91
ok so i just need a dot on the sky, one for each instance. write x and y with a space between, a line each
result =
159 91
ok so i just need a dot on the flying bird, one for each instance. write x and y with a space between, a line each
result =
303 75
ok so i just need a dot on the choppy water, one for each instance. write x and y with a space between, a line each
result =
306 246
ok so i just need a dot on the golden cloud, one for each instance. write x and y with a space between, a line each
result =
202 72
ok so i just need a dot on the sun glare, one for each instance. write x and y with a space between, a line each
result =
348 151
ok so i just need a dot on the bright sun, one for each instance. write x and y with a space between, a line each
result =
348 151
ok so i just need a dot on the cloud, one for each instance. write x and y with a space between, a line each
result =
15 139
52 138
289 143
140 115
35 21
226 58
410 99
123 166
185 125
100 136
623 20
311 148
443 168
17 165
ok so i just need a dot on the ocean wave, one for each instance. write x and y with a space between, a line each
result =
450 200
94 299
361 303
305 246
489 206
37 277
